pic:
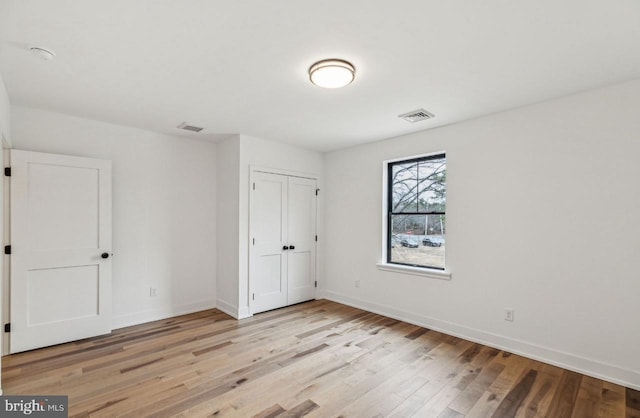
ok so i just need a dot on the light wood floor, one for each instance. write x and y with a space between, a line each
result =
317 359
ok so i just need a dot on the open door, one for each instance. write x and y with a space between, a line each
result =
60 249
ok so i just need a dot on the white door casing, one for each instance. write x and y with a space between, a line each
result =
282 214
60 231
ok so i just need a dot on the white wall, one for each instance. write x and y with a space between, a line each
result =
5 113
269 154
164 209
236 156
541 218
228 221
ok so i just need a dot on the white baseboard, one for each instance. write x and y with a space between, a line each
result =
227 308
234 311
589 367
137 318
243 312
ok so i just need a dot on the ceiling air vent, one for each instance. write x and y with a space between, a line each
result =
416 116
185 126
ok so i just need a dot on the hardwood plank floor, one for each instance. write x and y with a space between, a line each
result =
317 359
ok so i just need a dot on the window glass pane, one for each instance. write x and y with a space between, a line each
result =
418 240
404 182
416 227
431 179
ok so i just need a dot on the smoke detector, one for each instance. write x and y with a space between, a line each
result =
186 127
417 116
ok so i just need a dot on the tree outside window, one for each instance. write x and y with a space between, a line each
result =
416 212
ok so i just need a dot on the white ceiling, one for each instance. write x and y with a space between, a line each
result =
240 66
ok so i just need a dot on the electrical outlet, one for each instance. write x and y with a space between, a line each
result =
508 315
153 291
357 284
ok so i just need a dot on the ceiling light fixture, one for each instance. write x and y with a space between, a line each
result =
42 53
332 73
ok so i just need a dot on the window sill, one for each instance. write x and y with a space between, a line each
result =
416 271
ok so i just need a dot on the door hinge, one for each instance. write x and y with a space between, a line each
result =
316 238
7 171
315 284
254 241
7 327
317 190
7 249
254 296
254 186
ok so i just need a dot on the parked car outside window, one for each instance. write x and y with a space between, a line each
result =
409 243
431 243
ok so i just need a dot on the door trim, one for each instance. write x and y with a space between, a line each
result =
253 169
271 170
6 239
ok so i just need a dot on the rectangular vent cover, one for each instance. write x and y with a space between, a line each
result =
416 116
188 127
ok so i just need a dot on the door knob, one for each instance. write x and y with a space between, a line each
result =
104 255
291 247
285 248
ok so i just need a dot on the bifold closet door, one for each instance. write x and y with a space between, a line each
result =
283 247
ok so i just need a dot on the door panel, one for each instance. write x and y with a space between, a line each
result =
269 204
58 294
60 226
269 275
70 196
302 233
299 265
268 267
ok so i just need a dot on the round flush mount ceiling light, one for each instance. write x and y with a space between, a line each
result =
332 73
42 53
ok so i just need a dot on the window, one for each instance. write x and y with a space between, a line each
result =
416 193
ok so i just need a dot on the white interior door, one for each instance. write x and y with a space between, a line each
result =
268 223
61 249
283 249
302 240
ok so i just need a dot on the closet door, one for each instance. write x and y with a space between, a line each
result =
282 265
301 258
268 260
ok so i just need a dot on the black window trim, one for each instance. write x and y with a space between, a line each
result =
390 213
